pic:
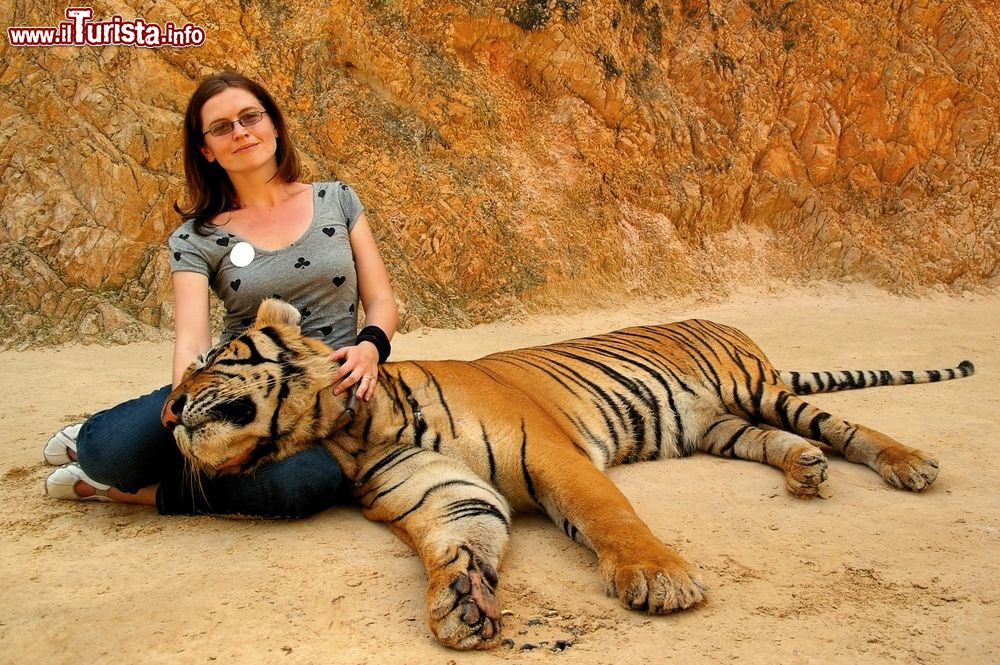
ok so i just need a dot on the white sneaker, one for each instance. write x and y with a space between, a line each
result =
55 450
61 484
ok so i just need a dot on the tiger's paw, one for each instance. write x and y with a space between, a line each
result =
805 471
908 468
665 583
462 605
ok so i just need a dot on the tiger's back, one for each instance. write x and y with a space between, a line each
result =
640 393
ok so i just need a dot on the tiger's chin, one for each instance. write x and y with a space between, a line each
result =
236 462
240 463
216 460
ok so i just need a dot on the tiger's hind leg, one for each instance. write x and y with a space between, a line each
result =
899 465
803 463
457 523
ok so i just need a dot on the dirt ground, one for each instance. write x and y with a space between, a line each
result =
870 574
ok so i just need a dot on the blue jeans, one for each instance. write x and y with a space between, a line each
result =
128 448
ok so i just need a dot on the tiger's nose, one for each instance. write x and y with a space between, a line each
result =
171 414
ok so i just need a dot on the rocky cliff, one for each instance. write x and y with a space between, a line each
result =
523 154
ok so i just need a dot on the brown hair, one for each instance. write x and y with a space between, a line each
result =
210 191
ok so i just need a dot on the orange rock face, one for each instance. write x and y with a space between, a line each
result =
535 155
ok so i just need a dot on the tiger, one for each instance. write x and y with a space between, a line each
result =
446 452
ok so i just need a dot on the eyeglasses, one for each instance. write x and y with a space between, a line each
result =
226 126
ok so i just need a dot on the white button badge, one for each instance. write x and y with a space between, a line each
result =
241 254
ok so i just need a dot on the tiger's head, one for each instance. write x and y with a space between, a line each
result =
260 397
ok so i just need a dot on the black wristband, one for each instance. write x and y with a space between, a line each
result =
376 336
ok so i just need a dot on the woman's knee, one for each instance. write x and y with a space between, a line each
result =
126 446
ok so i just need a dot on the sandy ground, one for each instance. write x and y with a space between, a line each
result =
869 575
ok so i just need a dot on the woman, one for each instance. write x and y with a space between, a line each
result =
253 231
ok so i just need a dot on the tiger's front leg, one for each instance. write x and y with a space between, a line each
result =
457 523
637 567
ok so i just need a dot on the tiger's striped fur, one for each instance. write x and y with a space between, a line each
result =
446 451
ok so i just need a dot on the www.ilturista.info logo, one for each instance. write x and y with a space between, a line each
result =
79 30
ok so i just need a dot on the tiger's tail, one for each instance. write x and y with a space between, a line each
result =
806 383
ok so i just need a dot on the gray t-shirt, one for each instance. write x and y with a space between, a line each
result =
315 273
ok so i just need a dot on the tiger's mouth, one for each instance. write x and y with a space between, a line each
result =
188 435
210 455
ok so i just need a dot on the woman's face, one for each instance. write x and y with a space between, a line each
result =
244 149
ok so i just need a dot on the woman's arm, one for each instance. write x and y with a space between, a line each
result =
380 310
373 280
192 331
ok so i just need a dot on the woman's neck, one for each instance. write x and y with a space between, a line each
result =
259 189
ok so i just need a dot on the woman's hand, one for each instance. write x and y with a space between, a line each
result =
358 365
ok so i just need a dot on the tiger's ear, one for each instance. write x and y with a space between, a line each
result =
274 312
